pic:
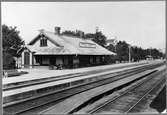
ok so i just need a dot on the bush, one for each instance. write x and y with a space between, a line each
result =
8 61
110 59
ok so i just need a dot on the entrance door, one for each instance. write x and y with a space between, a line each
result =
26 58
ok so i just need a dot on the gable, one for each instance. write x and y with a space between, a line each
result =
36 41
49 43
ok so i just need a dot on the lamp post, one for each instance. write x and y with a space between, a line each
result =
115 44
129 53
150 53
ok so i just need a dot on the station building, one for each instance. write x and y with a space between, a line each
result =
53 48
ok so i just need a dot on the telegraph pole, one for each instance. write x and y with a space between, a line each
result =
150 50
150 53
115 44
129 53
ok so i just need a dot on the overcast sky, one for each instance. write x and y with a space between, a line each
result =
138 23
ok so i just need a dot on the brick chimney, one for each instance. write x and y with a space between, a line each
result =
57 30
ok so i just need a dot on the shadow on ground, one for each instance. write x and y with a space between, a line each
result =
159 103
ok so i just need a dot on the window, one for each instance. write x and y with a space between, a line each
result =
43 42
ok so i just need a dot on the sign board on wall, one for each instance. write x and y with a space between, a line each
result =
87 45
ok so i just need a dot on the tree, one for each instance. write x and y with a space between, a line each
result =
97 37
69 33
100 38
11 39
137 53
11 44
122 51
155 53
111 47
8 61
76 33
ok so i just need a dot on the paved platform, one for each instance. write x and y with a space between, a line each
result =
43 73
64 81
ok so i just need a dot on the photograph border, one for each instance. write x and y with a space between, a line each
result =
1 59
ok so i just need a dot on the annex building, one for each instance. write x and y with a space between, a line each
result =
53 48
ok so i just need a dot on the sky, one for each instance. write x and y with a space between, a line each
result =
138 23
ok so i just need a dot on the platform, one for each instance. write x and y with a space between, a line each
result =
15 94
65 81
43 73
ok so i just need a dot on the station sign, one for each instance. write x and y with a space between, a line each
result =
87 45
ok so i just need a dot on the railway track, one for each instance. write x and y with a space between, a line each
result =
44 100
138 106
131 100
51 86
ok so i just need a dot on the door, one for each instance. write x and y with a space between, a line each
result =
26 58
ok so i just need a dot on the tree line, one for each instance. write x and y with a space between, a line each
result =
97 37
121 48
